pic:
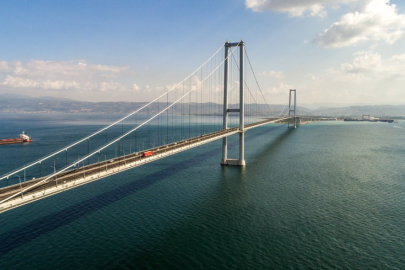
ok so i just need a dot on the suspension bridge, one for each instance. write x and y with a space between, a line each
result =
219 99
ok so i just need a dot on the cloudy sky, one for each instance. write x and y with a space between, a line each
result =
331 51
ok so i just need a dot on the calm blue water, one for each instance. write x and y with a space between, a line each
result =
322 196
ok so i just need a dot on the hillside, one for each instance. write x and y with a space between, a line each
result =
13 103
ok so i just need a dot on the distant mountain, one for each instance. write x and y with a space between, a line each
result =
12 96
327 105
23 104
316 106
15 103
53 98
19 96
358 111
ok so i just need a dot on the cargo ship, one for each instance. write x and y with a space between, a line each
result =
22 139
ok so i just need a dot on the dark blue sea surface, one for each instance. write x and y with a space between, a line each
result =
323 196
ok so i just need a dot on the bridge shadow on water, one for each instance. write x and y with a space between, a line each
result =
41 226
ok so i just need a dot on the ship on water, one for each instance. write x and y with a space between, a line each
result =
24 138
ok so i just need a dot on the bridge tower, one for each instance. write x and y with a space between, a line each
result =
292 104
241 110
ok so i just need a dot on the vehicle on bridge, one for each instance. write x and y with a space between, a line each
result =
147 154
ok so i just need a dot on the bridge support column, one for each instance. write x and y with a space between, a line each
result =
225 109
293 104
241 110
242 105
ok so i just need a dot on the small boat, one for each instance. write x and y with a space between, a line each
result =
22 139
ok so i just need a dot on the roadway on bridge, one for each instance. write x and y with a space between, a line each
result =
23 193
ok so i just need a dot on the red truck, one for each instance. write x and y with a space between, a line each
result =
147 154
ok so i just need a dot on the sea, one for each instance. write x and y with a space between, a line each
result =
326 195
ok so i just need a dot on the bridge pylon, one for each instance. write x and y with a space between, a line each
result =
292 108
241 110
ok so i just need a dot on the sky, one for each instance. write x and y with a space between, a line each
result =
334 52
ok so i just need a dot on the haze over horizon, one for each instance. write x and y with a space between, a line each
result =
332 52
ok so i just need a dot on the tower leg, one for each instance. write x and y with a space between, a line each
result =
241 161
225 108
241 106
224 151
295 108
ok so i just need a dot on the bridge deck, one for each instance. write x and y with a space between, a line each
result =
11 196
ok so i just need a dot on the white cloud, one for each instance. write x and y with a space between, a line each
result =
368 78
365 61
371 65
136 87
370 20
17 82
170 86
376 20
110 86
61 76
273 74
195 81
281 89
147 89
295 8
52 69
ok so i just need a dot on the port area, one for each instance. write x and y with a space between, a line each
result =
368 118
363 120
